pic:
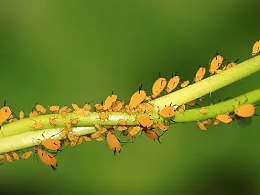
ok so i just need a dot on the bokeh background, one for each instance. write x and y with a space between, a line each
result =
61 52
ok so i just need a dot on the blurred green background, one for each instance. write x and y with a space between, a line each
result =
60 52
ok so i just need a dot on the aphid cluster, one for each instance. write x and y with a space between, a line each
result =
138 105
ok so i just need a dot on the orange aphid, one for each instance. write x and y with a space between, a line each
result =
117 106
40 108
133 131
113 142
256 48
185 83
71 136
216 122
225 118
47 158
21 115
81 111
146 107
8 157
87 107
191 103
167 112
172 84
37 125
75 106
203 110
158 87
121 128
12 119
230 64
99 132
86 138
33 113
109 101
54 109
100 139
80 140
182 108
152 134
15 155
27 155
98 108
215 63
103 115
64 110
201 126
247 110
122 121
53 121
145 120
200 74
74 121
137 98
162 126
2 157
207 122
5 113
51 144
74 142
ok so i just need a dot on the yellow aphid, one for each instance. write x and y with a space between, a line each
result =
40 108
81 111
216 122
74 121
100 139
15 155
215 63
121 128
256 48
37 125
133 131
203 110
144 120
27 154
33 113
87 138
98 108
97 134
247 110
225 118
185 83
87 107
172 84
137 98
207 122
21 115
54 109
182 108
64 111
200 74
71 136
117 106
80 140
162 126
8 158
128 109
146 107
201 126
63 131
53 121
113 142
74 143
75 106
2 157
167 112
103 116
5 113
158 87
122 121
109 101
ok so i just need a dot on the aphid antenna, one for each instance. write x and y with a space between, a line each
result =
159 74
159 140
236 60
4 103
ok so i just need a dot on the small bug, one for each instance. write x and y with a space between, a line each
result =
33 113
87 138
87 107
103 116
191 103
113 142
182 108
247 110
21 115
53 121
215 63
201 126
100 139
71 136
137 98
207 122
216 122
172 84
167 112
74 121
121 128
144 120
5 113
225 118
109 101
40 108
54 109
15 155
158 87
51 144
2 157
200 74
122 121
146 107
185 83
75 106
8 158
80 140
27 155
133 131
37 125
117 106
203 111
152 134
256 48
162 126
98 108
47 158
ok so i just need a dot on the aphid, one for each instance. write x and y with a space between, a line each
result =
247 110
109 101
137 98
145 120
27 155
99 132
201 126
51 144
75 106
54 109
81 111
33 113
74 121
182 108
191 103
86 138
80 140
12 119
203 110
172 84
133 131
216 122
71 136
53 121
152 134
100 139
185 83
225 118
113 142
21 115
167 112
207 122
40 108
121 128
215 63
87 107
231 64
162 126
47 158
37 125
103 116
256 48
122 121
5 113
158 87
67 142
117 106
128 109
8 158
74 142
98 108
15 155
200 74
64 110
146 107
